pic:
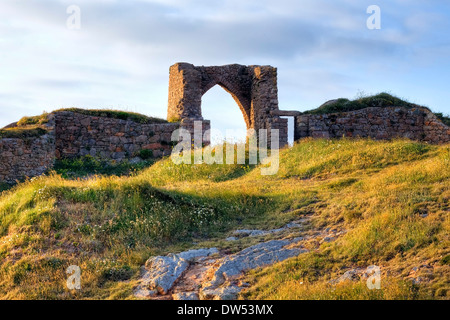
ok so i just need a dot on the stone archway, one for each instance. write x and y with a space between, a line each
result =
254 88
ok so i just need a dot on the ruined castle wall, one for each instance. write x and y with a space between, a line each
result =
22 158
434 130
265 101
73 135
79 135
254 88
185 92
236 80
377 123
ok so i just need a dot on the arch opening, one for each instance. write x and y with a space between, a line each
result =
219 106
254 89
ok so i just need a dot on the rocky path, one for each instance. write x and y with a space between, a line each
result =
210 274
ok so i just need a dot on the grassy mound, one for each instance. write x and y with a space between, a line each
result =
123 115
115 114
344 105
31 131
379 100
391 197
35 120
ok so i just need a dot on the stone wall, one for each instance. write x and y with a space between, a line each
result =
79 135
377 123
434 130
22 158
74 135
198 138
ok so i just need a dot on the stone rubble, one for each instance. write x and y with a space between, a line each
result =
355 274
420 274
185 296
162 272
232 267
213 275
255 233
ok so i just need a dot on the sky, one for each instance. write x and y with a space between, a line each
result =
120 55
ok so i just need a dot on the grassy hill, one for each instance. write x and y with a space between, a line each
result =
380 100
391 197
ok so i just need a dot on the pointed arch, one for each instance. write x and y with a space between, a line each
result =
244 104
253 88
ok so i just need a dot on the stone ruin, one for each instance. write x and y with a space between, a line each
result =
254 88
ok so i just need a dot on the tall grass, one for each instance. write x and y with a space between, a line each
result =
391 197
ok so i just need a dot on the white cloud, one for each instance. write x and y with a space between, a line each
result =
121 55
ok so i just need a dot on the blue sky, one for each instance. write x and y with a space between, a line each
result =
120 56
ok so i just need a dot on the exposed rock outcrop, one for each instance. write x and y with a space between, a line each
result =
209 274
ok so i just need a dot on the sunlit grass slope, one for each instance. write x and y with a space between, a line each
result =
391 197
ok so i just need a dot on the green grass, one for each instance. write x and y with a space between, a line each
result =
31 131
35 120
115 114
88 166
4 186
108 225
382 99
379 100
308 278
